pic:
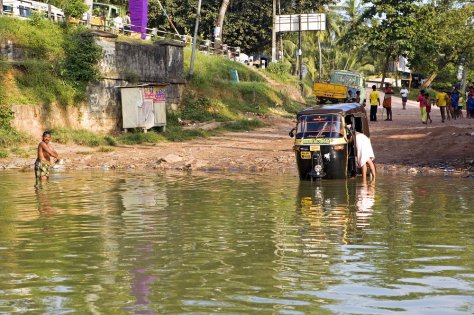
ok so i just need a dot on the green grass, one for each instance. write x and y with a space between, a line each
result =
209 69
173 133
81 137
243 125
43 76
3 153
140 138
40 83
43 40
106 149
23 153
211 95
13 138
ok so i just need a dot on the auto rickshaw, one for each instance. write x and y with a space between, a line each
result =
325 140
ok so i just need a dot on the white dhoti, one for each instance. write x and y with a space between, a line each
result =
364 149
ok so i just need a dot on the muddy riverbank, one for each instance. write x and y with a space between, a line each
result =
402 145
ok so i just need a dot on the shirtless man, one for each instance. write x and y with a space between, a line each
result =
43 159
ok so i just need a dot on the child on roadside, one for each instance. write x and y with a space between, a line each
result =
428 103
387 101
470 106
460 106
404 95
421 100
449 107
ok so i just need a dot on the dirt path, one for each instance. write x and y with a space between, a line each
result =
403 144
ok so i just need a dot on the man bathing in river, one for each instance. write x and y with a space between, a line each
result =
364 153
365 156
43 159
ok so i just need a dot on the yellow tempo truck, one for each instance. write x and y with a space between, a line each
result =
332 92
341 88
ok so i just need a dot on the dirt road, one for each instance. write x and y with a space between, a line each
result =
403 144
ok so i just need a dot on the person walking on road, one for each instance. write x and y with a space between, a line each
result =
404 95
387 101
470 106
455 95
441 102
421 100
449 107
428 103
469 96
374 102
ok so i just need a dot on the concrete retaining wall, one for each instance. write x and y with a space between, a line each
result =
123 63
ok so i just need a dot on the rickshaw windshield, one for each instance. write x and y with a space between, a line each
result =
319 126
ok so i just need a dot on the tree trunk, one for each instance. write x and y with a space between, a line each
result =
1 7
220 21
429 80
384 73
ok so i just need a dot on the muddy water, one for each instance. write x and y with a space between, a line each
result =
136 243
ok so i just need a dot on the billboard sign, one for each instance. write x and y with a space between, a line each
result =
309 22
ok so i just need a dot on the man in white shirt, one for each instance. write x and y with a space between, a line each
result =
404 95
365 155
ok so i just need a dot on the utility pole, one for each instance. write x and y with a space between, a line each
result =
300 54
280 52
193 51
88 12
274 32
320 57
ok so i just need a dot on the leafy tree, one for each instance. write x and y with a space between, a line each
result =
335 52
388 27
246 24
74 8
82 55
221 16
448 39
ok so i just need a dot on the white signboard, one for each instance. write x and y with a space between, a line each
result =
309 22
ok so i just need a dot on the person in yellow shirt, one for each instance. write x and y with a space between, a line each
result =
374 102
441 102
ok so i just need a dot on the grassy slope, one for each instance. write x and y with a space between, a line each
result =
253 94
210 95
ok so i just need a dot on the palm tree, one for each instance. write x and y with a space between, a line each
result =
335 54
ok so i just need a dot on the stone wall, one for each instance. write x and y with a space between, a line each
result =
123 64
132 63
35 119
9 51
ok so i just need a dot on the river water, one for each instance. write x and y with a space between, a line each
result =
153 243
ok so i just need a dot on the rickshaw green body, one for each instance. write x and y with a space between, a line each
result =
325 140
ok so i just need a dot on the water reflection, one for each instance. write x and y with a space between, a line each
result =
365 203
336 209
43 198
158 243
143 199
